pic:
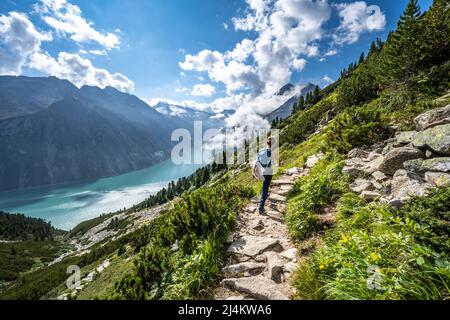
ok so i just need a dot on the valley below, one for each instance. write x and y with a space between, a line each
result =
67 205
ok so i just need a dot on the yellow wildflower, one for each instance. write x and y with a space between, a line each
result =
322 267
344 239
374 257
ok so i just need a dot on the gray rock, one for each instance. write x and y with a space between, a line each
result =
438 179
277 198
433 118
252 246
434 164
394 160
405 137
313 160
258 287
436 139
250 268
408 184
360 185
257 225
283 182
275 265
353 172
370 195
377 185
290 254
358 153
379 176
289 267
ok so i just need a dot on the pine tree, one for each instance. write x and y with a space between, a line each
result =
362 57
295 108
401 58
301 103
435 35
316 95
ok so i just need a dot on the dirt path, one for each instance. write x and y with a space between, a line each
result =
261 258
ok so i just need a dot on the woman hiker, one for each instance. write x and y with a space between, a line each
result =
265 159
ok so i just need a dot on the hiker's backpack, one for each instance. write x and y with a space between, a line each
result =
258 170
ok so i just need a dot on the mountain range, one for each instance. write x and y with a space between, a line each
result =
51 132
292 94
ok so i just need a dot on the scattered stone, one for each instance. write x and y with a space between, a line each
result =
358 153
434 164
257 225
290 254
252 246
353 172
248 268
405 137
313 160
435 139
360 185
432 118
394 160
377 185
259 287
438 179
379 176
275 265
261 258
370 195
293 171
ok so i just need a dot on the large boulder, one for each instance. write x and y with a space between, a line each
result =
252 246
394 160
434 164
433 118
436 139
407 184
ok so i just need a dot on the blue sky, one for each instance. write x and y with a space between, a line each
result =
141 45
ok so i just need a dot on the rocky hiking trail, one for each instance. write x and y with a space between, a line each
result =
261 257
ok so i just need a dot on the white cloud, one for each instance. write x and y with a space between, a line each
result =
299 64
203 90
79 71
327 79
20 47
67 19
357 18
18 40
225 26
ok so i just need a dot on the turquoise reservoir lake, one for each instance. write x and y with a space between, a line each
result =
67 205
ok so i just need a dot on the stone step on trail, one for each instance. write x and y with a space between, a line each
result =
252 246
244 268
277 198
258 287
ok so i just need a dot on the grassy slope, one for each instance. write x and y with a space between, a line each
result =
365 235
